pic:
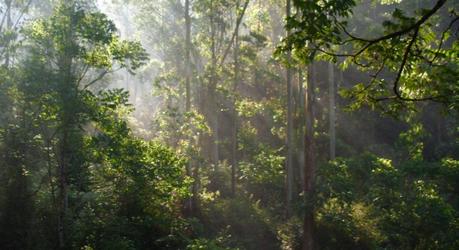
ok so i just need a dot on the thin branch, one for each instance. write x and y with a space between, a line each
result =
401 69
404 31
238 23
98 78
22 13
442 40
395 87
371 42
4 17
316 47
374 77
83 74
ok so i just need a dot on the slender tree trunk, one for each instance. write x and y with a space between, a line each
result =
63 190
65 147
302 127
289 127
188 55
9 25
213 92
189 203
301 114
50 171
234 164
309 167
332 110
195 191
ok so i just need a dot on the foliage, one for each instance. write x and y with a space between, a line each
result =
370 202
410 59
210 173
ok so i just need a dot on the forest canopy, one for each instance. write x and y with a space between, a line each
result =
229 124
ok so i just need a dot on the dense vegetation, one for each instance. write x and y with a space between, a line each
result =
229 124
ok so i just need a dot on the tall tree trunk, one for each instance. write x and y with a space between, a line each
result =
309 167
302 127
332 110
189 203
188 56
63 189
68 94
9 26
289 127
65 148
214 111
234 163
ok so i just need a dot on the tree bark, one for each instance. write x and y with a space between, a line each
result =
188 56
290 143
68 94
189 203
9 25
332 111
309 167
63 190
213 92
234 113
302 127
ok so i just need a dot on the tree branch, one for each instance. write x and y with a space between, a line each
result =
22 13
98 78
415 27
401 32
238 23
395 87
402 65
442 40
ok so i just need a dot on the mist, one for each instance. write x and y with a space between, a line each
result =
229 124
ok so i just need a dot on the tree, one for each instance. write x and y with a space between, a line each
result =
290 143
332 110
189 205
309 164
75 43
234 130
16 138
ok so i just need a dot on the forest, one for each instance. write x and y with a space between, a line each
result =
229 124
